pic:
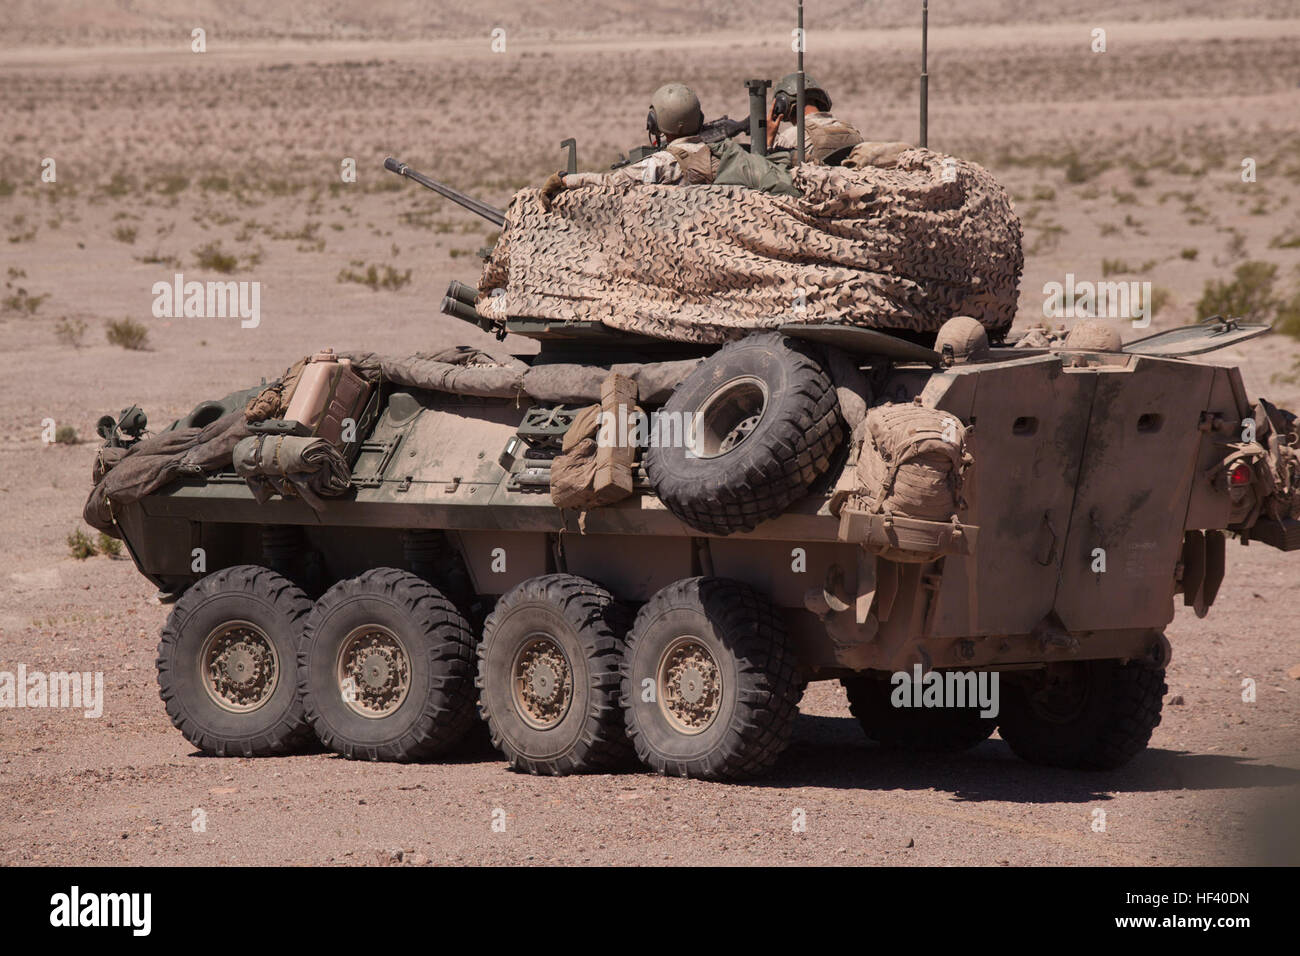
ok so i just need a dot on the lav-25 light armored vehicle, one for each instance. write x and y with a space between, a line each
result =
1094 485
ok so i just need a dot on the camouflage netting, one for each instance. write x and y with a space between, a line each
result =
887 248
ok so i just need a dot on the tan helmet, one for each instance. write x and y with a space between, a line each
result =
788 89
674 111
1094 335
967 338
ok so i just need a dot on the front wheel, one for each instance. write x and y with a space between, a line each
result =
1084 715
226 664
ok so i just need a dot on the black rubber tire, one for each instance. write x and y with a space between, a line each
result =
927 729
761 681
777 462
583 619
1119 710
242 593
438 711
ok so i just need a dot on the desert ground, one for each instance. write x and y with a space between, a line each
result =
1125 163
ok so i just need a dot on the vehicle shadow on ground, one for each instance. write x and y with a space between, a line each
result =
833 752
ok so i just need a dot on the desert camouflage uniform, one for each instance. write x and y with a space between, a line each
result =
690 162
823 136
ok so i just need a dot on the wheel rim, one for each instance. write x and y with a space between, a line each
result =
689 682
542 682
729 415
374 671
239 667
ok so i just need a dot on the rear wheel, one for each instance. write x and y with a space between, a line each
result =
549 677
711 686
226 664
1085 715
933 729
386 667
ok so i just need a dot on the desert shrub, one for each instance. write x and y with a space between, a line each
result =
125 234
108 545
80 545
1075 170
173 183
1288 317
127 333
1249 295
156 258
23 302
1190 254
66 435
119 185
210 256
70 332
375 280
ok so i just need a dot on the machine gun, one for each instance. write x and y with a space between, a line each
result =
476 206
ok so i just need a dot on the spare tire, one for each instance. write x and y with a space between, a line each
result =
745 435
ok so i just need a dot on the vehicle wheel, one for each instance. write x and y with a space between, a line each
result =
1085 715
711 687
386 667
932 729
226 664
766 423
549 677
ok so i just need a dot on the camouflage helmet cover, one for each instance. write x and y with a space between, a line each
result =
675 111
967 338
812 90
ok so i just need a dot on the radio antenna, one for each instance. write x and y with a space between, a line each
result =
799 97
925 76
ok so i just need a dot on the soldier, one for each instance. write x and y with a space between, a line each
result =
673 125
827 139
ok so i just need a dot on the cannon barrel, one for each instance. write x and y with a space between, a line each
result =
476 206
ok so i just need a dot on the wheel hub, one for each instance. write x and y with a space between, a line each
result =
690 685
374 671
238 666
738 434
543 682
730 415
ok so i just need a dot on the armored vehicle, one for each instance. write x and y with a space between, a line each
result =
630 546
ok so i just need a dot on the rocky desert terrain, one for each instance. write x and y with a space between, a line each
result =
1125 164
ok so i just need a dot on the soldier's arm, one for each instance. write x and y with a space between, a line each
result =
660 167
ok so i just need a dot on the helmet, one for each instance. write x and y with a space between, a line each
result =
674 111
966 336
1094 335
785 95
